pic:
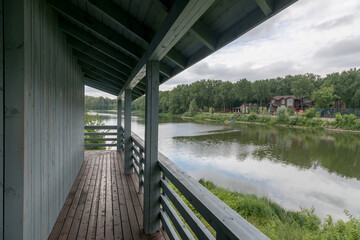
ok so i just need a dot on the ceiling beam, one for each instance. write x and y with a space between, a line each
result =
95 63
80 46
203 33
100 76
199 30
180 19
266 6
92 24
242 26
114 80
94 42
128 22
132 25
98 85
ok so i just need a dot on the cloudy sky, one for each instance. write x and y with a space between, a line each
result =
311 36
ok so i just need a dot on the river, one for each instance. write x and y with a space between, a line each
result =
295 168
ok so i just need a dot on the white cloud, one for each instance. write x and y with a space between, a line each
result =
89 91
320 36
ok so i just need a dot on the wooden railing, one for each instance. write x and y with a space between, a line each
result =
176 216
138 157
105 132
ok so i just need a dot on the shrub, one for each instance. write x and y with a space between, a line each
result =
211 110
310 113
295 120
263 111
290 111
265 118
282 114
253 116
317 115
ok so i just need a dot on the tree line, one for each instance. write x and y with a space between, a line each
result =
335 88
100 103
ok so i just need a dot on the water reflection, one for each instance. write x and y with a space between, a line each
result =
292 167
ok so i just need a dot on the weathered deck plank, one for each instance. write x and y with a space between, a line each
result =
103 203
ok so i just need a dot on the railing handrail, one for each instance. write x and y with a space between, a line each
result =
227 223
214 211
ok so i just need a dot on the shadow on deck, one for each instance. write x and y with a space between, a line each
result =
103 202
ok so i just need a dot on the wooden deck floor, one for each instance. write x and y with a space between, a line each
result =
103 202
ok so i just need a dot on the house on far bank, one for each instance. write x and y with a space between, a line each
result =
245 108
289 101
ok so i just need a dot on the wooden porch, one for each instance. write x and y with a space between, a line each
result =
103 202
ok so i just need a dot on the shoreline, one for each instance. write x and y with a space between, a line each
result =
337 130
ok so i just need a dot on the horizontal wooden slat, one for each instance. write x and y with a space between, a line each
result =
99 134
99 139
100 145
195 224
175 219
168 227
138 141
101 127
219 215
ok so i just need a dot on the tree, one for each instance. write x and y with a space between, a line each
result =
302 88
261 90
192 107
243 90
324 96
225 94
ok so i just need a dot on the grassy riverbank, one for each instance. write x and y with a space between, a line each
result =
345 122
278 223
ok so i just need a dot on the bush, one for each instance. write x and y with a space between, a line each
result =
290 111
253 116
263 111
282 113
265 118
310 113
296 120
211 110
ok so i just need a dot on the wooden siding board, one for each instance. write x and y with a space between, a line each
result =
51 108
1 121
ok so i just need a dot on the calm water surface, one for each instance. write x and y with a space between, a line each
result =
295 168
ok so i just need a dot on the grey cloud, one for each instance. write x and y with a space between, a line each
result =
344 54
334 22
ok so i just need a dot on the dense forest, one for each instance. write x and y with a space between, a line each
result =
341 87
100 103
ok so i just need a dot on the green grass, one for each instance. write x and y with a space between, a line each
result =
278 223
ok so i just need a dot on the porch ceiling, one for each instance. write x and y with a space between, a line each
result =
113 40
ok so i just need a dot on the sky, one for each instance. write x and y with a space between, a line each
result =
310 36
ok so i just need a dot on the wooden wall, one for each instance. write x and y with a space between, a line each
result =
44 125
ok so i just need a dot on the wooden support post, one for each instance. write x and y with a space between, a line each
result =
127 133
119 140
152 171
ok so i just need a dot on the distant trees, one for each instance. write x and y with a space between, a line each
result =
302 87
324 96
339 87
100 103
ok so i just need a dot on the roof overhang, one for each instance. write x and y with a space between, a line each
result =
113 40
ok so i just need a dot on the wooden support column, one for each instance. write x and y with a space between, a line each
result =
119 140
152 171
127 133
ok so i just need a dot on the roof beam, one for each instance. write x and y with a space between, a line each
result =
132 25
94 42
180 19
203 33
78 45
98 85
92 24
100 76
266 6
95 63
127 21
114 80
200 30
